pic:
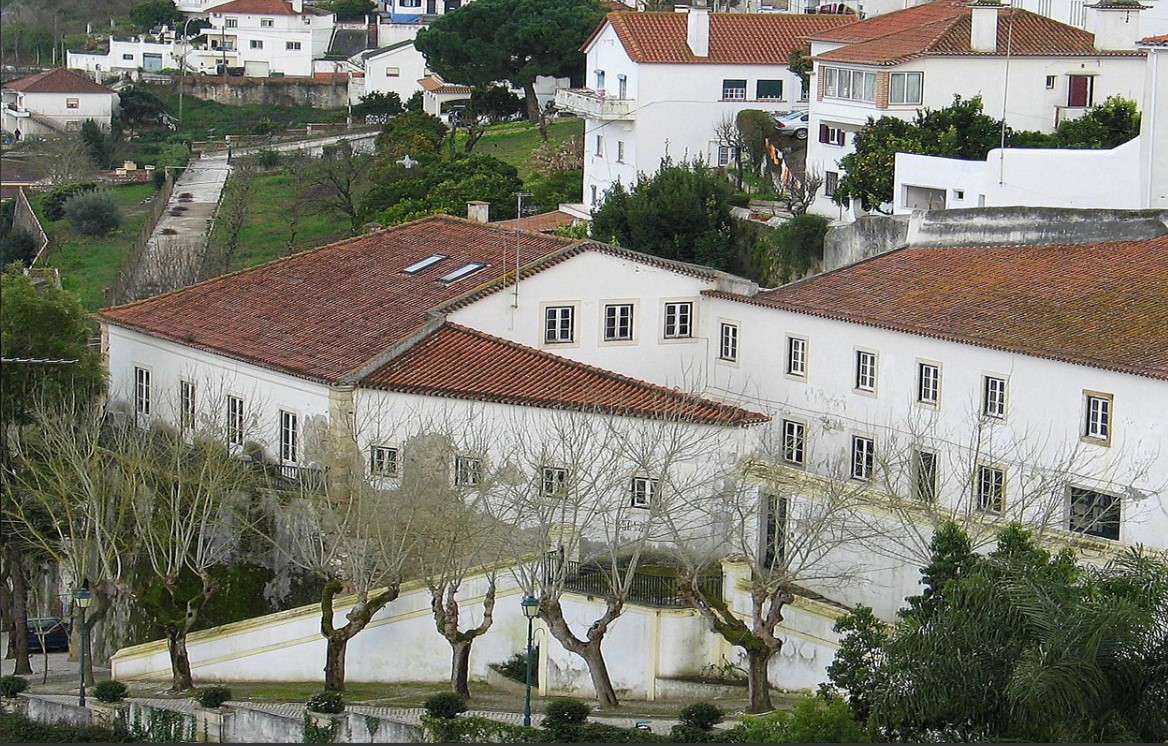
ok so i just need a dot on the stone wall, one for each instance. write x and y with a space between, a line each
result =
23 218
319 94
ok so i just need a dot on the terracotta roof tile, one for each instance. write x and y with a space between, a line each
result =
435 84
325 312
57 80
1156 41
1103 305
545 221
461 363
888 23
258 7
735 38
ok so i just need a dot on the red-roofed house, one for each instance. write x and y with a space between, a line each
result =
54 102
1032 70
661 82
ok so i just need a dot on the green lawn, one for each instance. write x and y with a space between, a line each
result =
514 142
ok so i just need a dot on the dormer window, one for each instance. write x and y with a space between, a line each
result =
418 266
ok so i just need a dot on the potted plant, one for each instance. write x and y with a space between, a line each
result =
324 715
110 706
211 714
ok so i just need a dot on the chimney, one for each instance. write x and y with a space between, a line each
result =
983 25
1115 23
297 6
478 211
697 31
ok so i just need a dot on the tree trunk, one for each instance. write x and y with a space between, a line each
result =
598 669
551 612
534 114
19 609
460 668
760 686
334 661
180 662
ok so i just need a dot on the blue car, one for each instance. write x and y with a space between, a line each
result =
52 630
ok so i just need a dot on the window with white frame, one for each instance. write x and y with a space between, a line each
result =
553 482
468 471
620 151
599 79
734 90
727 154
231 23
830 183
993 401
128 57
393 72
558 327
769 90
643 491
234 421
256 44
928 383
678 320
794 442
865 371
1097 420
728 342
774 549
600 146
829 135
267 23
142 401
410 3
905 88
990 489
797 357
857 85
289 437
384 461
292 45
186 404
1093 513
618 322
924 474
863 457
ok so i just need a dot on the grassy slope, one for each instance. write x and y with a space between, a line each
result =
515 141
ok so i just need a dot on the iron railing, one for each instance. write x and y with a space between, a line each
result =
650 589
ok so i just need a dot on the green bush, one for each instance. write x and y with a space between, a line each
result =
445 705
55 199
93 213
19 729
478 730
110 691
515 667
565 711
17 246
811 720
740 199
268 158
701 715
212 696
327 702
10 686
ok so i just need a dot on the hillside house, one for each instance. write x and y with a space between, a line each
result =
54 102
265 37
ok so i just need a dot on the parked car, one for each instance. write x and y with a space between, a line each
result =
793 124
54 631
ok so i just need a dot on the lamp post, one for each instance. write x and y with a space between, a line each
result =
83 596
530 606
182 64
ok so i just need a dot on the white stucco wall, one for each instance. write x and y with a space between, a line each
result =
312 33
397 71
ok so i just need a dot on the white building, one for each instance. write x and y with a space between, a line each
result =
127 56
886 66
54 102
265 37
660 83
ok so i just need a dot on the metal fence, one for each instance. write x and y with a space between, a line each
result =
650 589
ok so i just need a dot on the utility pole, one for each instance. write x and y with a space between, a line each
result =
518 232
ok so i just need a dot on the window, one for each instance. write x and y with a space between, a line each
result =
643 491
728 342
410 3
600 146
1080 90
620 151
1050 81
830 183
554 482
383 461
231 23
256 44
928 383
593 194
990 488
393 72
622 87
186 405
994 397
831 135
794 441
599 79
558 327
797 357
774 548
468 471
292 45
924 476
418 266
734 90
1093 513
128 57
863 457
234 421
72 103
769 89
267 23
865 370
904 88
678 320
1097 426
727 154
618 322
289 437
857 85
142 392
461 272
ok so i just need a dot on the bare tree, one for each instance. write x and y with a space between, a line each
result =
338 179
728 133
798 190
234 209
65 159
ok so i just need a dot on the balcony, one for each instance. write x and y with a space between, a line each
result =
594 104
647 588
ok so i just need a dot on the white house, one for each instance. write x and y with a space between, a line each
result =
265 37
53 102
126 56
660 83
1028 67
1133 175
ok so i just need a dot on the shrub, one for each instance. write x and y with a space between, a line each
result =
17 246
478 730
54 202
811 720
212 696
701 715
18 729
268 158
515 667
740 199
327 702
93 213
565 711
110 691
445 705
10 686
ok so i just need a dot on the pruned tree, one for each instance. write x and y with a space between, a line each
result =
797 191
234 208
338 180
727 133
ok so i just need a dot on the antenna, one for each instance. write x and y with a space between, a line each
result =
1005 96
518 233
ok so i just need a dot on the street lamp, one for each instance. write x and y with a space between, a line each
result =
182 63
530 606
83 596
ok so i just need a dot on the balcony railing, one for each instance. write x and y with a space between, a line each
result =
594 104
290 477
646 588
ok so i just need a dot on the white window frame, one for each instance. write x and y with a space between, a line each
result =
291 46
845 83
922 491
727 154
866 371
553 482
255 44
235 420
733 92
617 324
620 151
186 405
384 461
642 491
267 23
1090 519
795 442
230 23
796 364
863 457
928 383
994 396
289 437
989 488
1097 417
142 393
559 324
904 99
677 319
728 342
468 470
393 72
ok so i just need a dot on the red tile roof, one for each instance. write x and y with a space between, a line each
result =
1103 305
258 7
1156 41
461 363
325 312
735 38
942 28
543 222
57 80
435 84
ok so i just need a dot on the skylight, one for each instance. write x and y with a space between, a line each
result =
418 266
462 272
